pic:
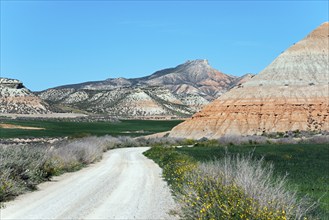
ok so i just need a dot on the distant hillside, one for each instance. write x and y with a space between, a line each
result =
15 98
173 92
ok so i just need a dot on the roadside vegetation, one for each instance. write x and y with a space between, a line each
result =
217 179
23 167
211 179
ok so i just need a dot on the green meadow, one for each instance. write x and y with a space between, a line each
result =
306 165
60 128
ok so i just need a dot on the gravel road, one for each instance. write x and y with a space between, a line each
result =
124 185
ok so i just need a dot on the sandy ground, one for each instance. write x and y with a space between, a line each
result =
124 185
10 126
157 135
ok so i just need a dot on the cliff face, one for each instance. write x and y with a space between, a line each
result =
291 93
15 98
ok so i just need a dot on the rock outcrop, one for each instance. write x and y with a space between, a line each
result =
290 94
15 98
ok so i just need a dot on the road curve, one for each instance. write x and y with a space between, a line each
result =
124 185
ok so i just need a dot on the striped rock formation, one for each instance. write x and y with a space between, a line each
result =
15 98
290 94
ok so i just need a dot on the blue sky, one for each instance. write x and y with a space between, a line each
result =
52 43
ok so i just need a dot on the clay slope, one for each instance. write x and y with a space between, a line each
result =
15 98
291 93
125 102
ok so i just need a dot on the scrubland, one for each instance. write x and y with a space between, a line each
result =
248 178
23 167
255 177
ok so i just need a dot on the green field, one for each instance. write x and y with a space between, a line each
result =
56 128
307 165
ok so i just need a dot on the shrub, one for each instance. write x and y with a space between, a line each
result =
285 140
20 169
156 142
8 186
320 139
242 187
23 167
235 187
230 140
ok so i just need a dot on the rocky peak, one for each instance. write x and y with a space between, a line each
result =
290 94
321 32
314 43
11 83
15 98
305 63
193 77
195 65
196 62
189 67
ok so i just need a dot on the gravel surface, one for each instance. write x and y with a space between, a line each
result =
124 185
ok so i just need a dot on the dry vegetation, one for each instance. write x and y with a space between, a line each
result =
22 167
229 188
239 187
234 187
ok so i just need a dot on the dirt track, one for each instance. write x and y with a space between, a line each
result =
10 126
124 185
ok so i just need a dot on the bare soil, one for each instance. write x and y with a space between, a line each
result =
10 126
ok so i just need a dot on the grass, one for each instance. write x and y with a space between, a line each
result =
233 187
56 128
307 165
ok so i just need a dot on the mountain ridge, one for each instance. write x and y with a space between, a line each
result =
175 92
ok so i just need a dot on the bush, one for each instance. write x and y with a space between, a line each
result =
156 142
322 139
175 165
22 168
242 187
235 187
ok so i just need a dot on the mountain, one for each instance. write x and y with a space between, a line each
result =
290 94
193 77
15 98
174 92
